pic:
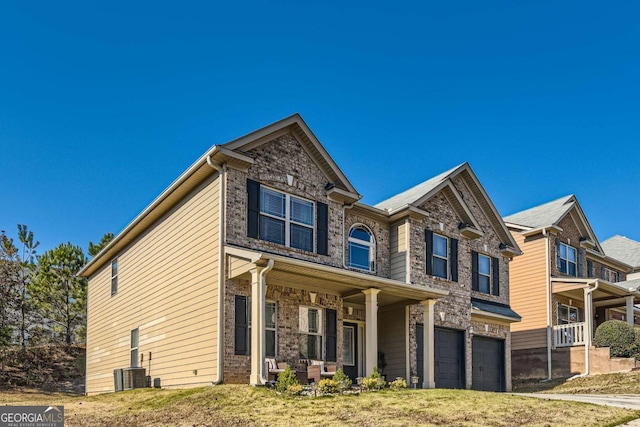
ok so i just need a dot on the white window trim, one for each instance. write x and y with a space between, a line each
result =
371 245
135 348
575 263
352 345
446 258
287 217
569 308
489 276
114 276
610 273
274 329
303 325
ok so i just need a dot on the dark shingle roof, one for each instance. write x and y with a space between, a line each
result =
494 307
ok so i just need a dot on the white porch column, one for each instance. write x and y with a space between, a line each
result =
428 340
630 310
588 320
256 338
371 332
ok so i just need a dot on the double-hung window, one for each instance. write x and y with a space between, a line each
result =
114 277
135 336
242 327
286 220
566 259
310 337
485 272
270 326
440 256
610 275
568 314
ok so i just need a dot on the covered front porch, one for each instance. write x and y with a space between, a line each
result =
581 305
323 312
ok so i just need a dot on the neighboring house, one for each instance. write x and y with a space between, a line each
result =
563 286
262 249
625 250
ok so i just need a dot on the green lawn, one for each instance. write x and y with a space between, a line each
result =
240 405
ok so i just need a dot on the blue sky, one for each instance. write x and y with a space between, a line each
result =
102 105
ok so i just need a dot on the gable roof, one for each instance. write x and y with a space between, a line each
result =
550 214
545 215
295 125
414 194
623 249
232 154
417 195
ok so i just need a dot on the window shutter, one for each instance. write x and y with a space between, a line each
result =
557 252
241 326
474 270
589 268
322 221
253 208
332 335
428 239
580 256
602 272
495 289
454 259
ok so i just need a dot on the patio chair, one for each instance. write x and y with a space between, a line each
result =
272 368
318 370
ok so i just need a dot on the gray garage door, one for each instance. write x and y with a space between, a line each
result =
449 357
488 364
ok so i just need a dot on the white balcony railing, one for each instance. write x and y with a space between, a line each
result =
569 335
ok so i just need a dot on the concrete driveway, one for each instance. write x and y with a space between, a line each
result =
627 401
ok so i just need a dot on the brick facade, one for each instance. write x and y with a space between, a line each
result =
283 156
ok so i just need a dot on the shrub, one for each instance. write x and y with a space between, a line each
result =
373 381
398 384
294 389
343 380
617 335
370 384
328 386
635 352
286 379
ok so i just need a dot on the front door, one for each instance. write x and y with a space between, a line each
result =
350 350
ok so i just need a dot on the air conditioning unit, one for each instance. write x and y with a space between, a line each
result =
117 380
134 378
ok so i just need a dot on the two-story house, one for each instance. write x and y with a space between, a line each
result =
564 286
262 249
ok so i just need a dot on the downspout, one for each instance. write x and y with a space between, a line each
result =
222 170
545 233
344 251
263 296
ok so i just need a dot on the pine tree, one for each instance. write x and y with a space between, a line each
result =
59 293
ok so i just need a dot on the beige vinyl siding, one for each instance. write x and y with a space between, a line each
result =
167 287
392 341
528 288
398 251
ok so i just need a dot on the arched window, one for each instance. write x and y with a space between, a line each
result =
362 248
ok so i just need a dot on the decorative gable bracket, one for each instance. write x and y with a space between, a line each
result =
470 232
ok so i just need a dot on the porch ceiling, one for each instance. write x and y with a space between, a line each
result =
606 292
347 284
